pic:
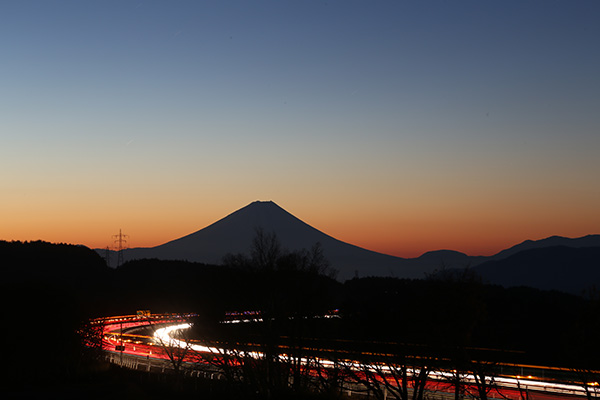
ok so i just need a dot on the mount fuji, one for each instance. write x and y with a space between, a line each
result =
511 267
235 232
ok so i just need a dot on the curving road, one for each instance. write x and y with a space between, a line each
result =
119 338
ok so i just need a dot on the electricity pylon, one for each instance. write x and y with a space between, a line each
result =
121 241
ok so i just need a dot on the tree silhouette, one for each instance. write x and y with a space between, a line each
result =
290 289
395 374
174 341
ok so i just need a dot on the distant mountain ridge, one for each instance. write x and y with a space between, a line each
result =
584 241
234 234
569 269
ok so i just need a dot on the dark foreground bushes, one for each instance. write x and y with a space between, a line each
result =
49 291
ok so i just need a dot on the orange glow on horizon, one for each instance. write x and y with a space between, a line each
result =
468 231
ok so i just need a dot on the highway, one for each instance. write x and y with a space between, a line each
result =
120 340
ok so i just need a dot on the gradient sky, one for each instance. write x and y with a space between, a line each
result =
399 126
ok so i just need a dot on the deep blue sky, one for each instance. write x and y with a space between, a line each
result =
401 126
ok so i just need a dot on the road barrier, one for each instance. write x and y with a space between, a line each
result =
160 363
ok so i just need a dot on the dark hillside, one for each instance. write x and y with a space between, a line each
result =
47 290
50 290
55 262
444 314
568 269
170 286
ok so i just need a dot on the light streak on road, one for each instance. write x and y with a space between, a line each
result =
164 336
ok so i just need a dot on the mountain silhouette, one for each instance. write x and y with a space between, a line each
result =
235 232
568 269
552 241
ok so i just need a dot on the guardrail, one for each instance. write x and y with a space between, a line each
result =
205 370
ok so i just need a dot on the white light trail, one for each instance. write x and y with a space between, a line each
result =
163 335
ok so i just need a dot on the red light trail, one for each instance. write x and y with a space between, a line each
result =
155 347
